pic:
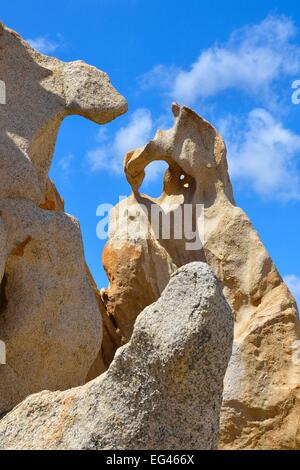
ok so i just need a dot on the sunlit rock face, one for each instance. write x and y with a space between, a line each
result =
261 397
49 314
163 389
176 352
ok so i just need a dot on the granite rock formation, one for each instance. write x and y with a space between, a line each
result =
49 314
162 391
171 360
261 404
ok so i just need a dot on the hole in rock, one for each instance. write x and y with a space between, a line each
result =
83 188
153 181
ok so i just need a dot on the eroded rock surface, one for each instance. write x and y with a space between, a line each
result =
49 314
261 405
40 92
162 391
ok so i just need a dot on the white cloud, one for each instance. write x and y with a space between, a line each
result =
263 152
293 283
262 155
45 45
109 154
154 172
160 76
252 59
65 166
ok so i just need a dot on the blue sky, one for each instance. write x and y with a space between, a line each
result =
234 62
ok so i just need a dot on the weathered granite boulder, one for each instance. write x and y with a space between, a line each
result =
261 398
49 315
40 92
162 391
49 319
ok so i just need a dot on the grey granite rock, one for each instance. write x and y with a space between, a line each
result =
162 391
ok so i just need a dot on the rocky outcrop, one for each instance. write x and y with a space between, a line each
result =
171 368
261 398
162 391
49 314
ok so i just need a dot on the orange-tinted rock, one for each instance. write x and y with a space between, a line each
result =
261 396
